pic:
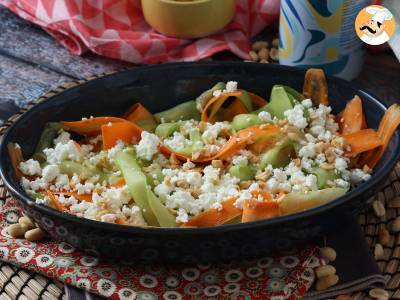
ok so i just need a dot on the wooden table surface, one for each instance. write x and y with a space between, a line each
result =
31 63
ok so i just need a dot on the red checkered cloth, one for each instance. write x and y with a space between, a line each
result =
117 29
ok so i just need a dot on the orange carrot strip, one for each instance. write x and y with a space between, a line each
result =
259 137
139 115
315 86
125 131
15 153
214 104
54 201
82 197
353 118
257 100
119 183
215 217
254 210
387 127
235 108
90 126
362 141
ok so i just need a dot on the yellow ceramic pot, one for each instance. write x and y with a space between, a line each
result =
188 19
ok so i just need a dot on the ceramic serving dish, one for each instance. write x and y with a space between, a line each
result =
161 87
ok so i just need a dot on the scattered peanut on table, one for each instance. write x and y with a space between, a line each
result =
262 52
378 251
396 225
324 271
379 294
384 237
27 229
326 282
328 254
379 209
395 203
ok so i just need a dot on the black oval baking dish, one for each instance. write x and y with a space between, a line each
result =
161 87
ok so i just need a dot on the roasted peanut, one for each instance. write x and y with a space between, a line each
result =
324 271
328 253
395 203
263 54
378 251
326 282
258 45
379 294
16 230
217 163
27 222
34 235
378 208
396 225
274 54
253 55
384 237
275 42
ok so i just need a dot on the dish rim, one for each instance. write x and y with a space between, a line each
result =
184 232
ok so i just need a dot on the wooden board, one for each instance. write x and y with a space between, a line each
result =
24 41
21 82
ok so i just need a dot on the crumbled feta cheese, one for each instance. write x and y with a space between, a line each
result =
188 165
240 160
119 146
342 183
134 215
340 164
182 216
307 103
67 201
116 197
177 142
211 133
148 145
265 116
62 182
63 152
30 167
308 151
85 188
109 218
63 138
358 175
50 172
295 116
217 93
231 86
86 149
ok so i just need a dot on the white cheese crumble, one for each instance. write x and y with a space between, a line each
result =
230 87
63 152
265 116
358 175
295 116
50 172
148 145
30 167
119 146
63 138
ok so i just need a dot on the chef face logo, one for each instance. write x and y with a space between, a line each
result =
375 25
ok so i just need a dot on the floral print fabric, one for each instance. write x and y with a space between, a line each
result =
285 277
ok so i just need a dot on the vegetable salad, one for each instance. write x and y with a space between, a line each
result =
227 157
